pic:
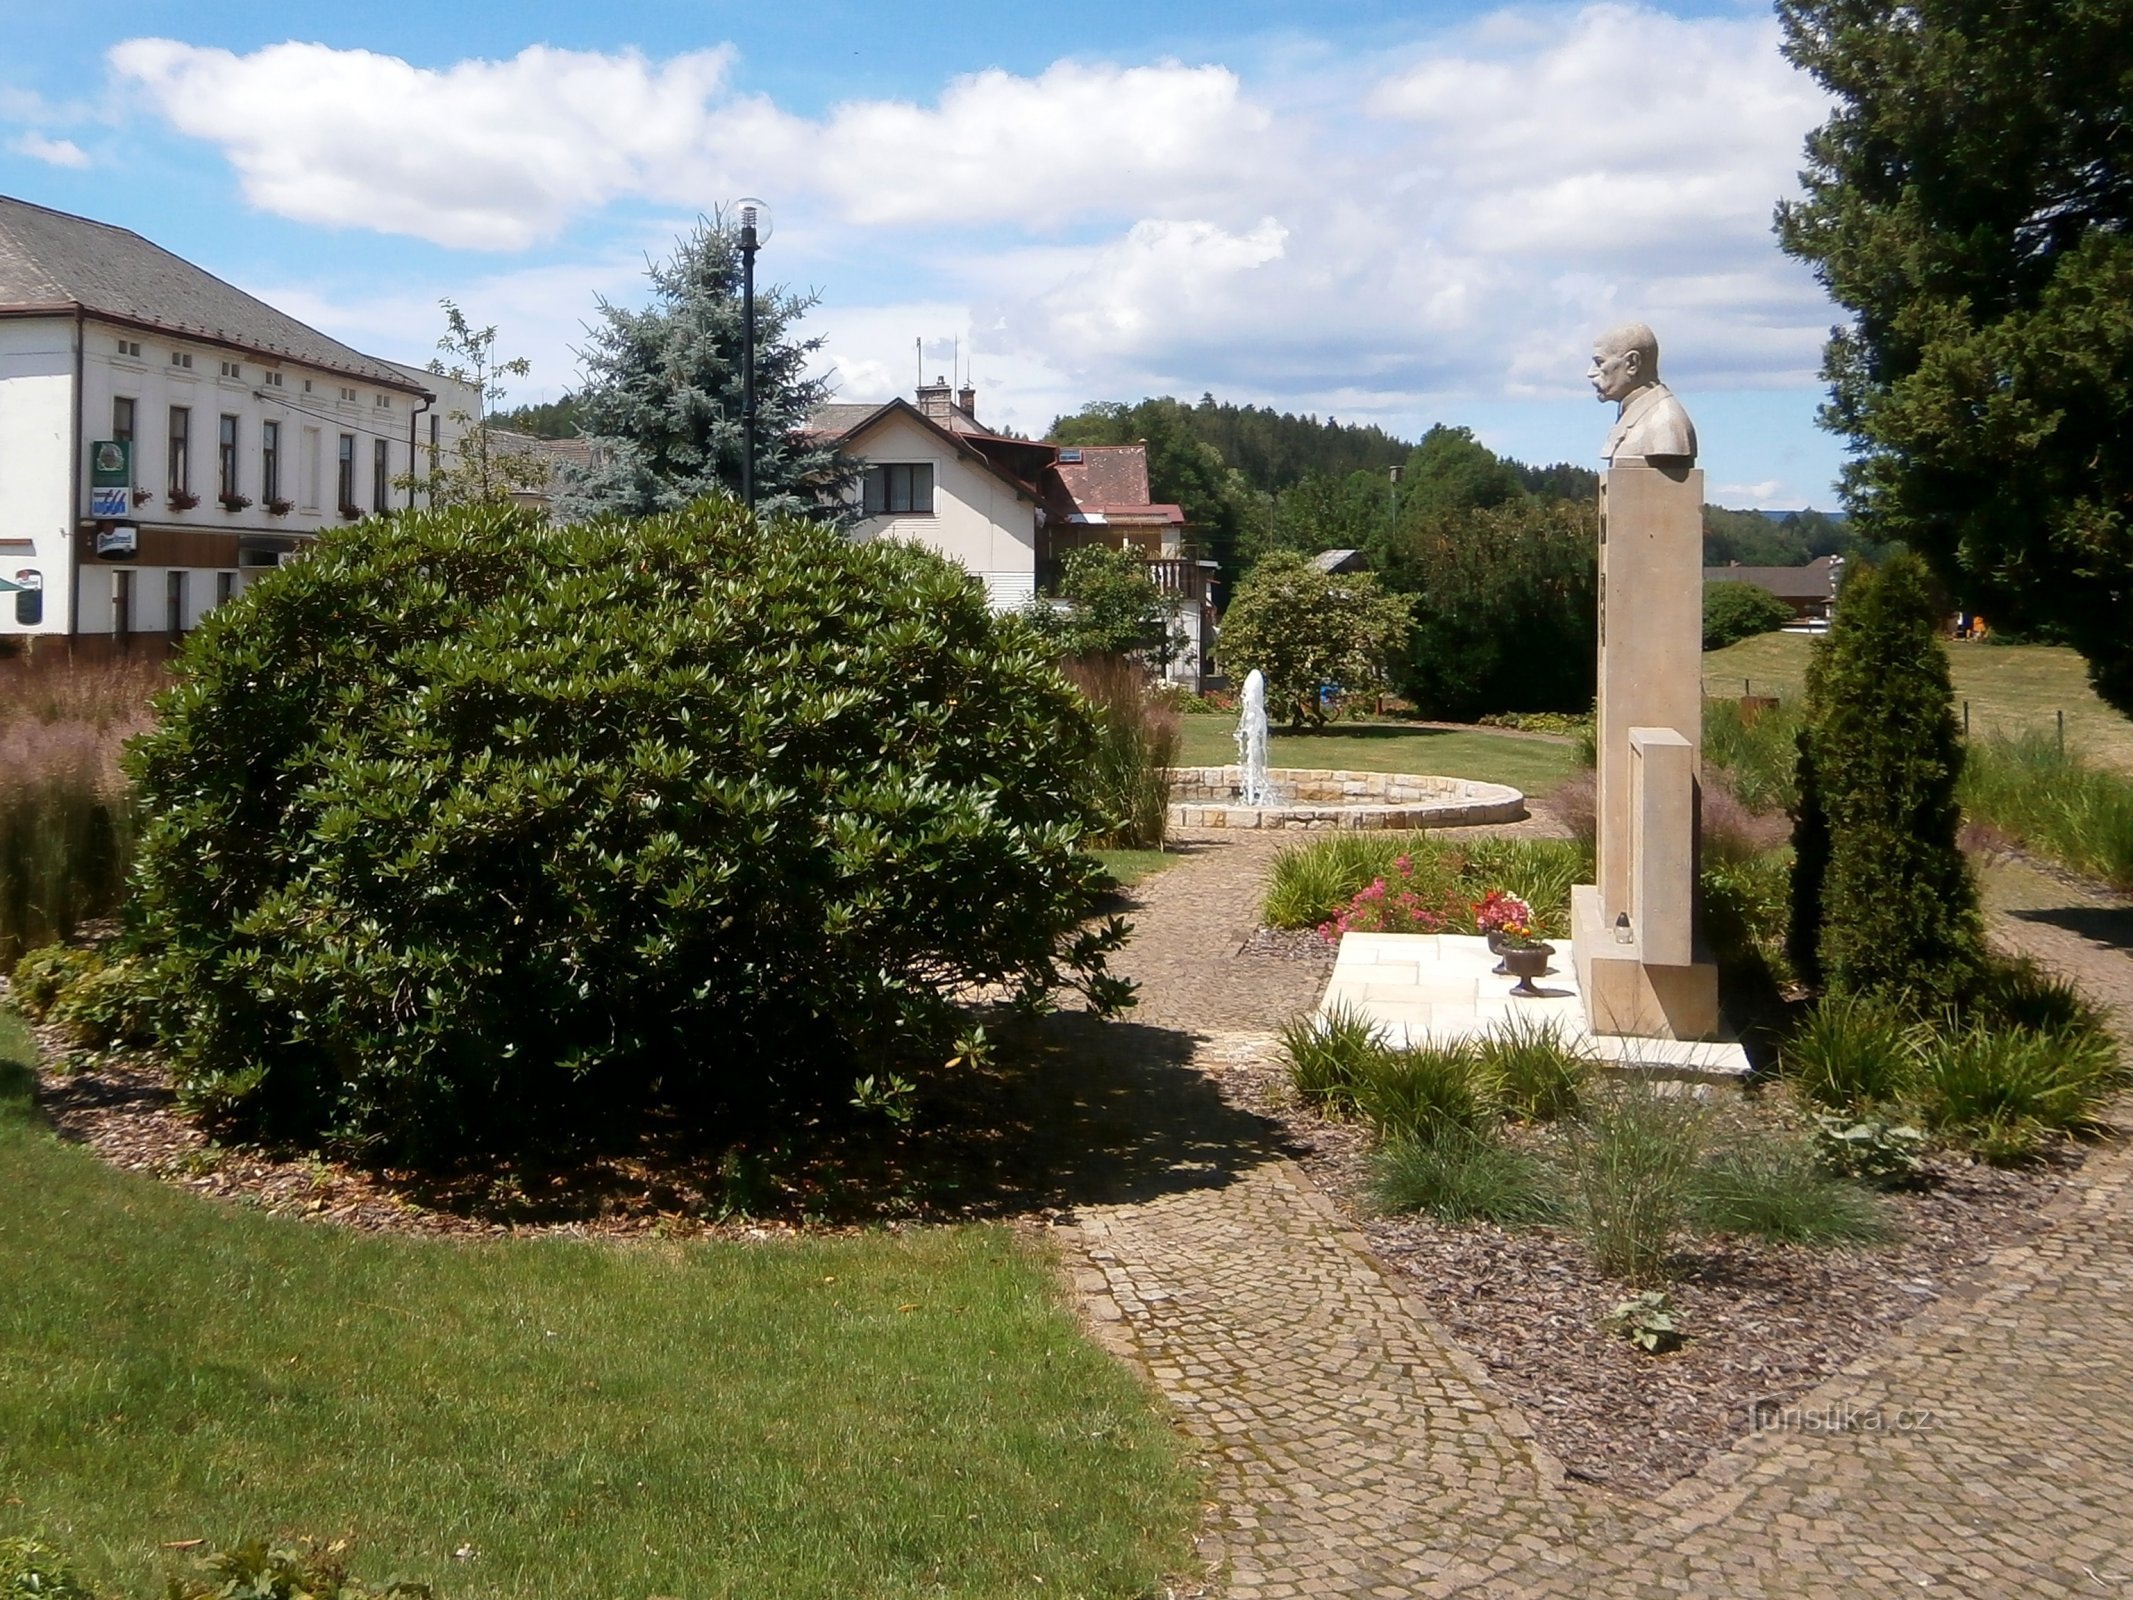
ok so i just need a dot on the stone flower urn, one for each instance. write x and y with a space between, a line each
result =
1525 965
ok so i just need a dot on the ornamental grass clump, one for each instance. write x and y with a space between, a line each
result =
1328 1053
1633 1161
473 833
1463 1175
1425 1091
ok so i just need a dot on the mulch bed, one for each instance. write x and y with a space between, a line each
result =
1767 1322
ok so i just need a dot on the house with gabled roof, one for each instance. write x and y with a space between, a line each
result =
165 437
1012 509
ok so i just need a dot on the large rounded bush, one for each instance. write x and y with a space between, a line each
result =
1736 611
470 832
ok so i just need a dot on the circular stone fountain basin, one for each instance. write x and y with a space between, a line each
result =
1310 797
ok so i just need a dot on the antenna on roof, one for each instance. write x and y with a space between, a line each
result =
920 344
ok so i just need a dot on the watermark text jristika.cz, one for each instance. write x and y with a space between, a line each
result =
1771 1416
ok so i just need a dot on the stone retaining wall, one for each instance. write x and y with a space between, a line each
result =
1319 798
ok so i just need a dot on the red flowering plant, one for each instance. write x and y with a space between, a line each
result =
1508 917
1392 905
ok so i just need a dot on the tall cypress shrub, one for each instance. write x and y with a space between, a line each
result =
1898 910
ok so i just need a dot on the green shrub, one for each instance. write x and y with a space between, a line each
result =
1311 884
1736 611
1851 1052
66 841
1888 1155
2054 802
1461 1175
469 832
1136 742
1531 1071
1328 1053
1746 907
1425 1091
1780 1191
1898 910
1756 754
1650 1321
2002 1092
1633 1161
41 975
107 1003
2014 992
305 1571
31 1571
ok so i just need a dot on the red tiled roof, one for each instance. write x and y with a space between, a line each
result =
1106 475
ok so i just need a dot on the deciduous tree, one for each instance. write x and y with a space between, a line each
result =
1305 628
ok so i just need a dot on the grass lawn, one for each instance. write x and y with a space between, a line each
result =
1131 866
1526 763
2011 688
881 1415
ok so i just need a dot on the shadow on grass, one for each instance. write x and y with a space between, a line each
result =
2109 926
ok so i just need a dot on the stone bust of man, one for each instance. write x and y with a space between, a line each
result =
1650 424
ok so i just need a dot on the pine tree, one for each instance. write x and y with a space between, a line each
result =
1899 910
661 405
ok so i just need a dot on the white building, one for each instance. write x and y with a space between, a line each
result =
1011 509
164 435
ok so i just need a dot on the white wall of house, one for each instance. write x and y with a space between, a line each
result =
36 433
978 519
43 486
314 407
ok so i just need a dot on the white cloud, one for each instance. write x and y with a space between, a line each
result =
53 152
1394 237
484 154
501 154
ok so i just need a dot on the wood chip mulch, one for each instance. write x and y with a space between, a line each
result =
1767 1322
122 1108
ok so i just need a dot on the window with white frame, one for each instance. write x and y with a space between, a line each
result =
899 489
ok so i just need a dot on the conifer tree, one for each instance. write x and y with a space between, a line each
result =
1898 908
661 405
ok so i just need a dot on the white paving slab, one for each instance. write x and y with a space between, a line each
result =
1440 987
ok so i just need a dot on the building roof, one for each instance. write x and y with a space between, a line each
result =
53 262
1014 462
1815 581
1105 474
1338 560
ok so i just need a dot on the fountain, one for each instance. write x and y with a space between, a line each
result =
1251 741
1249 795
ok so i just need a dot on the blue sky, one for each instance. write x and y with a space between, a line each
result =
1403 214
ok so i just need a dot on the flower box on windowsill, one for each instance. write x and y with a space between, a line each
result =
350 513
181 500
280 508
141 497
235 502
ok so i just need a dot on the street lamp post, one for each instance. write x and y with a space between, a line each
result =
755 228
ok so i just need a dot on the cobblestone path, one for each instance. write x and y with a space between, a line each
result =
1356 1451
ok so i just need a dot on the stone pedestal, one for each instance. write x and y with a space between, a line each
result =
1649 738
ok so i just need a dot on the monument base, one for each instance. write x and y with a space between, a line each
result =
1625 996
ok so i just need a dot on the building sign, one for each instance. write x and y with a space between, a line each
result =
117 544
111 464
110 478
